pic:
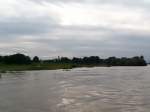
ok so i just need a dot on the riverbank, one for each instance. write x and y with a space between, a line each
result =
4 67
30 67
21 62
54 66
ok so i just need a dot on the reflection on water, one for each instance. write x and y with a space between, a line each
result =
113 89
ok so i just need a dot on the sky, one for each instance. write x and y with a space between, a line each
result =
51 28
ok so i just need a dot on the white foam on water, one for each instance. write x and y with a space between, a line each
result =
66 101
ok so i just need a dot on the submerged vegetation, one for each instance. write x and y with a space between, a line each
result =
18 62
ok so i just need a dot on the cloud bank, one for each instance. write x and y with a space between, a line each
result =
51 28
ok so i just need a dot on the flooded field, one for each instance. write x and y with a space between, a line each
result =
99 89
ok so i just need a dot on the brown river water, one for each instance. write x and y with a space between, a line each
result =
98 89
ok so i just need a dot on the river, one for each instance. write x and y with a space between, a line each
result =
98 89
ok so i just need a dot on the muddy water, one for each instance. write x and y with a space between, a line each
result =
112 89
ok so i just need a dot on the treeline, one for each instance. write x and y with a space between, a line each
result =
18 59
92 60
95 60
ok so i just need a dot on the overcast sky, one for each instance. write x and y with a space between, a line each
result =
50 28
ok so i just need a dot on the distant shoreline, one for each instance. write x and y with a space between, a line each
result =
33 67
21 62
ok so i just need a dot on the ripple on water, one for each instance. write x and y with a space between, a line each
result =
66 101
115 89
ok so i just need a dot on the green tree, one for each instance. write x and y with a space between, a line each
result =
36 59
17 59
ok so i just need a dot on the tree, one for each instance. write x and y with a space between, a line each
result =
17 59
76 60
1 59
36 59
64 60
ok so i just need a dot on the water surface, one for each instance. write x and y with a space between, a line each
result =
99 89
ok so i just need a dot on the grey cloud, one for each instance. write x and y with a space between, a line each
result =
136 3
77 47
54 1
120 44
22 26
50 39
75 42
